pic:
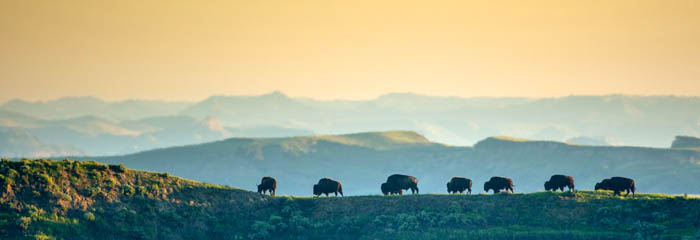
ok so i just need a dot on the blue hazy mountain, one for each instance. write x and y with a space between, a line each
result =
73 107
131 126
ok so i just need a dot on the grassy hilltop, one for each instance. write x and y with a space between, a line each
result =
41 199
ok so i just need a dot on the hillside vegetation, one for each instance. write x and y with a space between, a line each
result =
67 199
362 161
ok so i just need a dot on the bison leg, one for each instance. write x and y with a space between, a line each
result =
470 191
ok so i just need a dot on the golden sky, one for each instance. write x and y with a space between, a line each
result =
188 50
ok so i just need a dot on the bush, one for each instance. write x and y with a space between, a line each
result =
93 191
77 167
111 181
42 236
118 168
95 175
45 179
100 166
89 216
24 222
128 190
25 169
65 197
261 230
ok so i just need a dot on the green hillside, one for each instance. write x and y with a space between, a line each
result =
67 199
374 140
362 162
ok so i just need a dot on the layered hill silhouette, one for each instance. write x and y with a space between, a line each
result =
362 162
67 199
135 125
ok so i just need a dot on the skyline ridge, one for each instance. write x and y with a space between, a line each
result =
269 93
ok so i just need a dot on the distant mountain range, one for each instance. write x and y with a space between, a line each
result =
362 161
96 127
75 107
16 143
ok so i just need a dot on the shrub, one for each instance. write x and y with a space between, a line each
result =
45 179
100 166
118 168
42 236
65 197
89 216
95 175
24 222
128 190
141 190
25 168
261 230
77 167
407 222
154 188
111 181
93 191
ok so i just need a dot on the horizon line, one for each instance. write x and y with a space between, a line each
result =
344 99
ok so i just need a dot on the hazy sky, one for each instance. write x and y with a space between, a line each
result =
188 50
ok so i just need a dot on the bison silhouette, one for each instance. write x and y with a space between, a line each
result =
267 184
388 189
617 185
459 184
395 184
559 182
327 186
498 183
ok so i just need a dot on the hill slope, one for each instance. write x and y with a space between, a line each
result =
363 161
686 142
42 199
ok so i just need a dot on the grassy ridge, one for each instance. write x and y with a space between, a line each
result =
42 199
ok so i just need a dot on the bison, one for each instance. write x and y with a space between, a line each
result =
327 186
397 183
459 184
267 184
498 183
617 185
603 185
388 190
559 182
